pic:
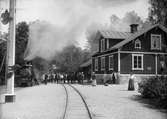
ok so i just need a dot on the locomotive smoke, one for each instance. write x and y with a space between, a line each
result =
66 23
46 40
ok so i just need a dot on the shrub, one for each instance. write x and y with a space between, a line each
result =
154 87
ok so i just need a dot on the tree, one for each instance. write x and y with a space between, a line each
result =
158 12
2 58
71 58
22 34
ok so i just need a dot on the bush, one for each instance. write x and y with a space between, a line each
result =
154 87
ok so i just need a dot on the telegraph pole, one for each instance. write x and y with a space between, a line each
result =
10 59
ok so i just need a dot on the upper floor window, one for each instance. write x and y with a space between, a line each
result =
102 63
96 64
155 42
111 62
138 44
108 43
137 61
102 44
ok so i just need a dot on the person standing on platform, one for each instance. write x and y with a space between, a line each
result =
94 83
46 78
131 85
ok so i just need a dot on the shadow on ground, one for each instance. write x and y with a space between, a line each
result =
150 103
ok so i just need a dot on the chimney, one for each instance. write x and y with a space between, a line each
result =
133 28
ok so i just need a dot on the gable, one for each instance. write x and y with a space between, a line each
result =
145 39
138 34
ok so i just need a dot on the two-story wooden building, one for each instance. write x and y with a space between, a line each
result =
140 52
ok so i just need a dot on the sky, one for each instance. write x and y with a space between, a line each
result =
74 16
60 12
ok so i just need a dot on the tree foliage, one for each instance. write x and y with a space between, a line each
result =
158 12
22 34
2 60
71 58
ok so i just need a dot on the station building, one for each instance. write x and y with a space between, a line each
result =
143 53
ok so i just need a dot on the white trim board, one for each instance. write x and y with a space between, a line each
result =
130 52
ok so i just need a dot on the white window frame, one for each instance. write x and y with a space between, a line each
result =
108 44
110 68
137 42
96 64
152 48
102 59
138 55
102 45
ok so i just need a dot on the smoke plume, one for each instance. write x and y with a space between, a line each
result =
65 23
45 39
116 24
119 24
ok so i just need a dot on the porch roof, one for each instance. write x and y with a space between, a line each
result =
87 63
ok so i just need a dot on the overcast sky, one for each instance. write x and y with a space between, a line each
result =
61 11
70 12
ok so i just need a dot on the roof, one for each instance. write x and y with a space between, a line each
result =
87 63
114 34
135 35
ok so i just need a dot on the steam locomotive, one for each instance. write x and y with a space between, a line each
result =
24 75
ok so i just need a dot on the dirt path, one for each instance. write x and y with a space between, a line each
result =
115 102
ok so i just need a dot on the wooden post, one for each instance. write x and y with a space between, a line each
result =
10 59
119 62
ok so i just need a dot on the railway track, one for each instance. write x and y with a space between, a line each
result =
76 106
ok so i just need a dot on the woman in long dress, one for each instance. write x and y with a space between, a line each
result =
93 79
131 82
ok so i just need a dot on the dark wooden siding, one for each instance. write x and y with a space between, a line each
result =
146 41
115 68
107 64
93 64
126 64
159 71
149 64
113 42
116 62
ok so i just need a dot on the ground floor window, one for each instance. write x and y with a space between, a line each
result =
111 62
96 64
137 61
102 63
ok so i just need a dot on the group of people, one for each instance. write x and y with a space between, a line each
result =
71 77
78 77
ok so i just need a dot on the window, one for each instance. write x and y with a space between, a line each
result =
107 43
138 44
155 42
102 63
137 62
96 64
111 62
102 44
